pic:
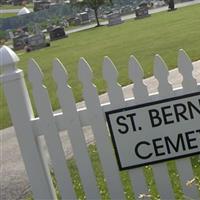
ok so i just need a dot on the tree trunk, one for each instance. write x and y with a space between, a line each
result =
96 16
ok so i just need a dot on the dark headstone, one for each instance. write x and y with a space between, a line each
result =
77 21
126 10
19 42
114 19
57 33
41 5
171 5
36 41
142 11
84 17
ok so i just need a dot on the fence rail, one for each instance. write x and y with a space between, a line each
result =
30 129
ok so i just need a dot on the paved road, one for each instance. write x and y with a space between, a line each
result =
13 179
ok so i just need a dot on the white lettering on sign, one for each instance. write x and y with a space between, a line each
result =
156 131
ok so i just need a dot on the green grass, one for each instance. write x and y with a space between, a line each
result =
7 7
164 33
7 15
129 194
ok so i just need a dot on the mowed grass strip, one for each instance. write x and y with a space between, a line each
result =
10 6
7 15
163 33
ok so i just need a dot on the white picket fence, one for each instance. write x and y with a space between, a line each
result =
29 129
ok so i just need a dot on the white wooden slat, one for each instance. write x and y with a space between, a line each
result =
73 126
185 67
141 96
189 84
116 97
44 158
114 90
165 90
21 114
161 73
50 132
100 132
186 174
140 92
136 74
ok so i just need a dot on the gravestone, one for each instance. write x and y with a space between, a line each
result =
84 17
142 11
36 41
114 19
57 33
19 40
41 5
126 10
77 21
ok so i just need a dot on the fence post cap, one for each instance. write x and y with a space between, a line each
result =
8 57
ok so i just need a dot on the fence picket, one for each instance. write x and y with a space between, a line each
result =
161 73
50 132
136 74
140 91
185 172
114 89
141 96
116 97
185 67
100 132
73 126
184 165
21 112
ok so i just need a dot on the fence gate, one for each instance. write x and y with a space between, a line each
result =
148 129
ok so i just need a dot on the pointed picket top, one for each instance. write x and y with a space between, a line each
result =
161 73
185 67
110 72
136 74
60 74
8 59
85 73
35 74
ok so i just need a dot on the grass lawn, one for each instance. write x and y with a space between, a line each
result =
162 33
7 7
7 15
129 194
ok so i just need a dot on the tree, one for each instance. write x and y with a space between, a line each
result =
94 5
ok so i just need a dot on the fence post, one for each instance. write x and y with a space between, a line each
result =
21 113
